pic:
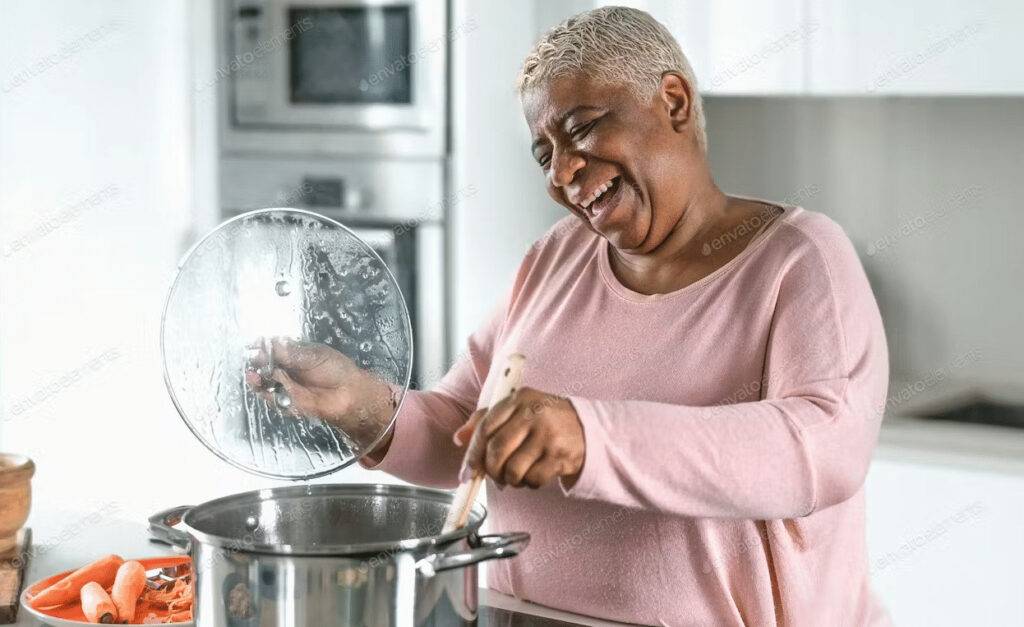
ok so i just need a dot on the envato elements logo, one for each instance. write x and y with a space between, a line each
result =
919 223
60 384
751 390
261 49
257 534
756 222
912 62
749 225
67 51
295 195
67 533
733 550
930 380
437 211
964 515
765 52
54 222
538 559
402 63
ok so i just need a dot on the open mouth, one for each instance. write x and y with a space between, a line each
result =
604 200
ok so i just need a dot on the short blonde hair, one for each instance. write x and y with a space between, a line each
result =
615 45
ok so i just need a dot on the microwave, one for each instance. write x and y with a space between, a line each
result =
352 71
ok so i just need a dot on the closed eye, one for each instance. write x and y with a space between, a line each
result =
580 131
576 133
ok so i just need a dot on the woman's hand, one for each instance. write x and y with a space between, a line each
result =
528 439
322 382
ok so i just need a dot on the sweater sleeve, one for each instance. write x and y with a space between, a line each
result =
804 447
421 449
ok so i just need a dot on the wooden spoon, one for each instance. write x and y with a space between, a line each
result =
465 494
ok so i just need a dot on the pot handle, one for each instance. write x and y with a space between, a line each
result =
495 546
161 527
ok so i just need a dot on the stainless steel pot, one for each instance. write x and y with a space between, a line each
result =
340 554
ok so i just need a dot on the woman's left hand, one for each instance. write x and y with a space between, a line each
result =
528 439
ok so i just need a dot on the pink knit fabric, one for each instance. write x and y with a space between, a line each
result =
729 426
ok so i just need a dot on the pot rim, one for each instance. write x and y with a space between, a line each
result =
477 517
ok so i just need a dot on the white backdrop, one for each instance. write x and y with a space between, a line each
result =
96 203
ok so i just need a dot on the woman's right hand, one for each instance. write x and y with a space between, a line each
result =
322 382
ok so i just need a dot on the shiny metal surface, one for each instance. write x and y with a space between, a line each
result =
333 555
390 190
327 519
277 273
257 109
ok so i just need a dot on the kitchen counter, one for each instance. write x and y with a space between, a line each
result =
69 538
905 437
965 445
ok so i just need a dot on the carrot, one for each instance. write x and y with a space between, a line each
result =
128 585
102 571
96 604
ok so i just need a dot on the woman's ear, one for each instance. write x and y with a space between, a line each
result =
675 94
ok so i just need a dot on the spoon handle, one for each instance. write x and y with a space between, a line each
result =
509 381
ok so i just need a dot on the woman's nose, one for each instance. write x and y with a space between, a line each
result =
564 167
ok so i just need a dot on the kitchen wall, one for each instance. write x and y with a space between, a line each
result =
927 188
101 189
508 209
106 173
94 191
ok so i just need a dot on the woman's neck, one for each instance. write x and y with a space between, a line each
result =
695 247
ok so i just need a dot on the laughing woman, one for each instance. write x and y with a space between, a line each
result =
705 372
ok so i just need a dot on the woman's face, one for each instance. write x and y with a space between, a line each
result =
617 163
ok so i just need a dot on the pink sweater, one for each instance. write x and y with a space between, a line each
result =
729 426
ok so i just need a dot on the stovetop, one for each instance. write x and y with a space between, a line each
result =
497 617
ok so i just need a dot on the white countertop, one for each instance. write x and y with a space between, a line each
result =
905 437
972 446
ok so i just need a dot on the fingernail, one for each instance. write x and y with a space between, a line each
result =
456 439
465 474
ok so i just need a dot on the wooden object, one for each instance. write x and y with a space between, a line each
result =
13 564
465 494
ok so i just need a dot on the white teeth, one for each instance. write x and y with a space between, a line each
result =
597 194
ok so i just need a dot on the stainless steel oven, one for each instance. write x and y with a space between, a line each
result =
355 76
339 107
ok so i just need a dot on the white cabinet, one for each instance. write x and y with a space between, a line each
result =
734 46
840 47
946 544
916 47
740 46
500 204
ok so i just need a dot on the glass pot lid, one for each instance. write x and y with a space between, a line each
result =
282 303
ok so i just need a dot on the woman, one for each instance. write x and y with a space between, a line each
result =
705 372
